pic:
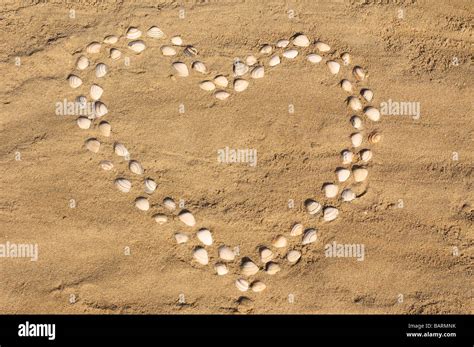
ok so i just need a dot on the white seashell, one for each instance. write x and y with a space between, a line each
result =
330 190
121 150
290 54
258 286
181 238
93 145
365 155
177 40
360 174
249 268
84 122
313 207
105 128
322 47
135 167
96 92
82 63
330 213
133 33
359 73
137 46
161 219
100 70
343 175
372 113
187 218
266 49
205 236
314 58
346 85
199 67
346 58
150 186
142 203
367 94
347 157
297 229
226 253
309 236
100 109
221 95
265 255
74 81
274 61
106 165
356 122
280 242
242 285
258 72
111 39
168 51
200 254
356 139
282 43
272 268
293 256
221 81
169 204
221 269
240 85
181 69
354 103
123 185
333 66
155 32
301 41
348 195
93 47
240 68
251 60
207 86
115 54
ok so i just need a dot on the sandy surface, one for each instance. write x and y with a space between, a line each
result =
415 219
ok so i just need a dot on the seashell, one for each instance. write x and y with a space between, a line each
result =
274 61
181 69
347 156
346 58
205 236
360 174
313 207
82 63
356 139
372 113
93 47
330 190
200 255
155 32
343 174
190 51
240 85
266 49
161 219
169 204
115 54
74 81
100 109
330 213
135 167
133 33
367 94
258 72
374 137
181 238
301 41
106 165
142 203
93 145
354 103
221 269
121 150
207 86
251 60
356 122
150 186
242 285
123 185
293 256
240 68
290 54
272 268
111 39
346 85
282 43
199 67
314 58
221 95
177 40
96 92
348 195
258 286
105 128
280 242
309 236
265 255
84 122
187 218
168 51
137 46
297 229
100 70
365 155
333 66
359 73
322 47
226 253
221 81
249 268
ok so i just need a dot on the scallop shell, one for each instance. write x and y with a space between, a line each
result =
346 58
111 39
205 236
226 253
221 95
135 167
187 218
354 103
240 85
93 47
356 139
282 43
258 72
82 63
221 269
372 113
240 68
309 236
200 255
265 255
190 51
280 242
348 195
181 69
360 174
169 204
251 60
374 137
258 286
168 51
150 186
330 214
142 203
133 33
74 81
322 47
293 256
121 150
365 155
346 85
367 94
123 185
199 67
301 41
221 81
333 66
356 122
137 46
181 238
242 285
297 229
96 92
105 128
347 157
266 49
84 122
100 109
93 145
314 58
272 268
106 165
313 207
100 70
290 54
249 268
115 54
343 174
177 40
330 190
160 218
155 32
359 73
274 61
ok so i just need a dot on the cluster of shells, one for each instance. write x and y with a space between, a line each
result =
350 176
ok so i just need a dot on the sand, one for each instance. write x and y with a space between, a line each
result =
415 219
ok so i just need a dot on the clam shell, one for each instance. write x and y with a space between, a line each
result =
181 69
84 122
265 255
96 92
367 94
356 139
137 46
155 32
161 218
348 195
133 33
356 122
226 253
111 39
240 85
200 255
360 174
93 145
221 269
330 190
120 150
135 167
258 286
251 60
333 66
249 268
106 165
105 128
177 40
293 256
274 61
290 54
374 137
314 58
82 63
240 68
330 214
150 186
297 229
221 94
208 86
190 51
93 47
168 51
221 81
74 81
272 268
242 285
354 103
199 67
309 236
365 155
282 43
301 41
280 242
372 113
181 238
313 207
359 73
187 218
100 70
346 85
347 157
100 109
142 203
322 47
123 185
115 54
266 49
258 72
205 236
346 58
343 174
169 204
